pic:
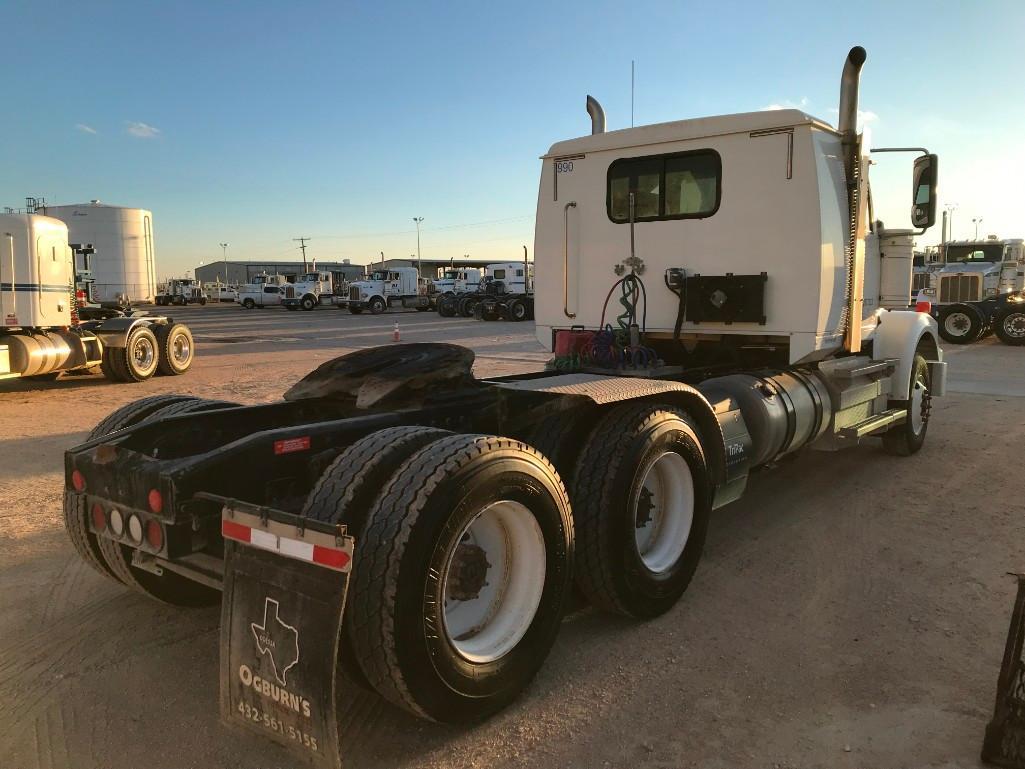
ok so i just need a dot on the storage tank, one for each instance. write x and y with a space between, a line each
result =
123 239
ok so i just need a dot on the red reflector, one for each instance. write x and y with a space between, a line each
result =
99 518
330 557
78 481
292 444
154 534
233 530
156 501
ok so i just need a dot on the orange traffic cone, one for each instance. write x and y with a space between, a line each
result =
395 333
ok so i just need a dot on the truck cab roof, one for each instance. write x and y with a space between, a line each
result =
692 128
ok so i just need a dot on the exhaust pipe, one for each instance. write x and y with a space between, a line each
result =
848 125
848 128
597 114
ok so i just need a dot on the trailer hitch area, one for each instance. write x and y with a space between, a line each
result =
285 580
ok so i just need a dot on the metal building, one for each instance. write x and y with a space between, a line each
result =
123 239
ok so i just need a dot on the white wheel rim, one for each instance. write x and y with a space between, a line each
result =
1014 325
181 350
488 625
957 324
663 511
143 353
917 398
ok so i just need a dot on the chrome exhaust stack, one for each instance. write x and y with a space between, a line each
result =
594 109
848 125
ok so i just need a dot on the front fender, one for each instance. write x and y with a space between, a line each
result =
900 335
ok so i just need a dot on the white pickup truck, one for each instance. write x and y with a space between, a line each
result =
264 291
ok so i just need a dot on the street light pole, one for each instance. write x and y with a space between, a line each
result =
418 219
224 258
977 221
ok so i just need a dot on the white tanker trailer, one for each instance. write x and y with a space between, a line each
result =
41 333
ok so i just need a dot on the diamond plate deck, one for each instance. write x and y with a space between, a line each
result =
599 388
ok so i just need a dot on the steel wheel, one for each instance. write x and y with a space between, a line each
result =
921 403
957 323
664 511
493 581
143 352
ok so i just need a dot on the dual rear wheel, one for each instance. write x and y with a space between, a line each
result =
466 549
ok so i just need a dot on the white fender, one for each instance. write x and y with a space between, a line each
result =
899 335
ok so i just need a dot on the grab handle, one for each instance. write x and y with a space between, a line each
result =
565 260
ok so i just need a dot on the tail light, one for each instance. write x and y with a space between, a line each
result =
78 481
154 534
156 501
117 523
99 517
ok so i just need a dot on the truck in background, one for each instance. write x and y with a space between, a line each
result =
423 528
384 289
50 326
454 280
181 291
506 291
312 290
976 287
264 291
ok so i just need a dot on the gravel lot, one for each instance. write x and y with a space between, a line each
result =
850 611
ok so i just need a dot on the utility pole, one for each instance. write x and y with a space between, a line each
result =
418 219
302 245
224 258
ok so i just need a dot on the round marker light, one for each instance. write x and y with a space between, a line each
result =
78 481
135 529
156 501
99 519
154 534
117 523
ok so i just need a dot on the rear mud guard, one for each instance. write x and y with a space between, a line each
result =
285 580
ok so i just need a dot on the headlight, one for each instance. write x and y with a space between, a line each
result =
929 291
364 295
1017 297
992 292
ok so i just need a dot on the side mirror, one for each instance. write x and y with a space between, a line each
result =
923 204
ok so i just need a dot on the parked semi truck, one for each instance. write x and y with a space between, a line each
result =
312 290
454 280
505 291
395 287
181 291
48 326
977 287
422 528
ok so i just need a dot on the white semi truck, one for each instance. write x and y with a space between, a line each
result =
41 332
457 280
711 291
312 290
181 291
977 286
383 289
505 291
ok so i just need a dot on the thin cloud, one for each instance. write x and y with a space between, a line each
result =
801 105
142 130
86 129
865 116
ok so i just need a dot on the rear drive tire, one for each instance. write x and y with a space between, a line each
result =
961 324
641 501
906 439
202 301
76 520
1009 325
467 558
518 310
348 487
176 346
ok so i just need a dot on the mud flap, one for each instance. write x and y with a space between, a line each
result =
285 580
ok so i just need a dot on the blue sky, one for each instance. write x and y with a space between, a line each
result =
255 123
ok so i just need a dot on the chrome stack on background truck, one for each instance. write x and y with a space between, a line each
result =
45 333
710 290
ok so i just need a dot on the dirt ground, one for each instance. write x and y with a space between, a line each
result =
850 611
